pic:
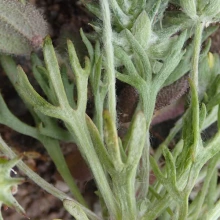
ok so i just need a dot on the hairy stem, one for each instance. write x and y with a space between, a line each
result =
109 52
197 49
76 124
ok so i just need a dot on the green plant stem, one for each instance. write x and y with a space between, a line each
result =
109 62
213 190
124 175
6 150
194 108
213 213
98 119
204 191
76 124
148 100
123 185
196 53
183 208
145 169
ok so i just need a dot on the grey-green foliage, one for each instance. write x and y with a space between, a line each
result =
158 28
22 27
153 47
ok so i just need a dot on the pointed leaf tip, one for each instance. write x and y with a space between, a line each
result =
47 40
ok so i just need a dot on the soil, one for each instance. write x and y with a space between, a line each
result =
63 16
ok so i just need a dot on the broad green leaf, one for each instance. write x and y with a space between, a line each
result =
189 6
142 29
